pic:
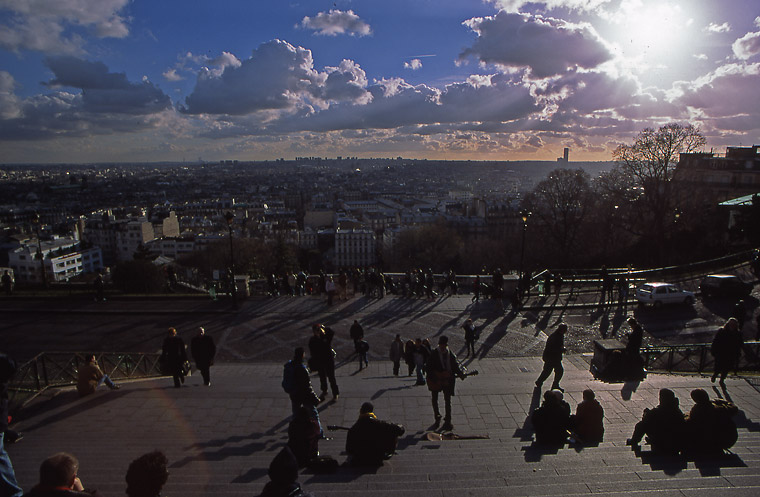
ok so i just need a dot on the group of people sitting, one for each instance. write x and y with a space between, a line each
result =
145 477
553 423
707 428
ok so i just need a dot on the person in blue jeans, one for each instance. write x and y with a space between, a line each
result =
8 484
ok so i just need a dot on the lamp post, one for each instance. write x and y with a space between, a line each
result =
36 223
524 214
229 217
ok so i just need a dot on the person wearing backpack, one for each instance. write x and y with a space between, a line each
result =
297 384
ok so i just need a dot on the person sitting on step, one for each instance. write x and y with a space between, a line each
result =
371 440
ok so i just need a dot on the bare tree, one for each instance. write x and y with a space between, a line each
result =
560 203
651 160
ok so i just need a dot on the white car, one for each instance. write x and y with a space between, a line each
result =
659 293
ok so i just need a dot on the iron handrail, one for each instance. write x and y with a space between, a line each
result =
58 369
696 358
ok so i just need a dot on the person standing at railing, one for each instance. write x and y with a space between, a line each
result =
8 484
90 377
725 348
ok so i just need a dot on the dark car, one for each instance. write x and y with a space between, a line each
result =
724 285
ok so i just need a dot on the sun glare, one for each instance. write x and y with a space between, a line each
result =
651 31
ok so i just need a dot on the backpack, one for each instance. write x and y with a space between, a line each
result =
289 377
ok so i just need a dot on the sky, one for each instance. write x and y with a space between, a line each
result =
85 81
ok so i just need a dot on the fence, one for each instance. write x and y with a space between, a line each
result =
57 369
696 358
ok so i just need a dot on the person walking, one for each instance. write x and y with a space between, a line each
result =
396 353
552 356
7 283
469 336
356 332
330 290
174 356
323 358
443 369
203 350
726 348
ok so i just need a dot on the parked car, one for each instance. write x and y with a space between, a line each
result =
658 293
724 285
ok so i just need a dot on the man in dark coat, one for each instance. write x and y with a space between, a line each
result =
725 348
302 393
664 425
173 356
320 348
552 356
8 484
371 440
58 478
709 427
443 369
203 349
147 475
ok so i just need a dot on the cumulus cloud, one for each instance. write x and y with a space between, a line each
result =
724 92
9 102
336 22
51 26
544 45
413 64
748 45
700 56
277 76
581 5
171 75
717 28
104 103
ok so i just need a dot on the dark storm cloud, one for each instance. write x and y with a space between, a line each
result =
104 91
544 45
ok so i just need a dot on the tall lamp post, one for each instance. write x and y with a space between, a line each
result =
36 223
229 217
524 214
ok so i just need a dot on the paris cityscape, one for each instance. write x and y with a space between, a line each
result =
357 248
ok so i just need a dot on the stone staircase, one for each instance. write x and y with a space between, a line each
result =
220 440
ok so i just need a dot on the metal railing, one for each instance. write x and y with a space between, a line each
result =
696 358
58 369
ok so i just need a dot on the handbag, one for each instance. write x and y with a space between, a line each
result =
186 371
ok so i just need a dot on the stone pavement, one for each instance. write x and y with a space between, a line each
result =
220 440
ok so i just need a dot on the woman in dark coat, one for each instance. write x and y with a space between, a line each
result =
173 356
726 348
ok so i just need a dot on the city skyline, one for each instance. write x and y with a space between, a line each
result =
120 81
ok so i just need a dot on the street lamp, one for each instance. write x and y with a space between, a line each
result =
36 223
229 217
524 214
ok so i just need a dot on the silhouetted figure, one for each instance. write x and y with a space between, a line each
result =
370 440
551 421
323 358
469 336
283 476
7 283
174 356
587 423
709 427
552 356
203 350
396 353
297 384
147 475
664 425
304 433
443 368
725 348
